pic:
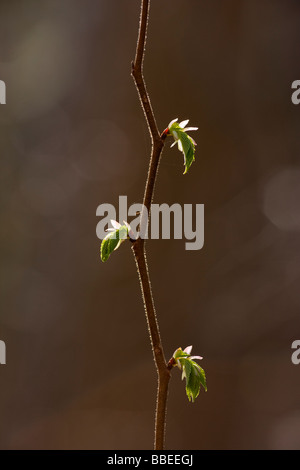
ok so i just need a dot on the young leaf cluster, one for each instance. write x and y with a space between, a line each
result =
112 241
191 371
186 144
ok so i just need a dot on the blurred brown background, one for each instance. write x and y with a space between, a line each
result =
79 370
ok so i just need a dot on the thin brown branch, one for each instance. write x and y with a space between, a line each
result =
137 72
139 245
157 348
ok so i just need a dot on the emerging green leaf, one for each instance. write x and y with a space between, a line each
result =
193 385
113 240
191 371
185 143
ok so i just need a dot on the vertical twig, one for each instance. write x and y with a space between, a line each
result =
138 247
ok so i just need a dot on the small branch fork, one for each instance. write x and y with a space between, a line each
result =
138 247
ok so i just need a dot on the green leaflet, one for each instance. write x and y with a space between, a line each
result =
196 379
193 385
185 143
201 375
112 241
188 147
186 368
